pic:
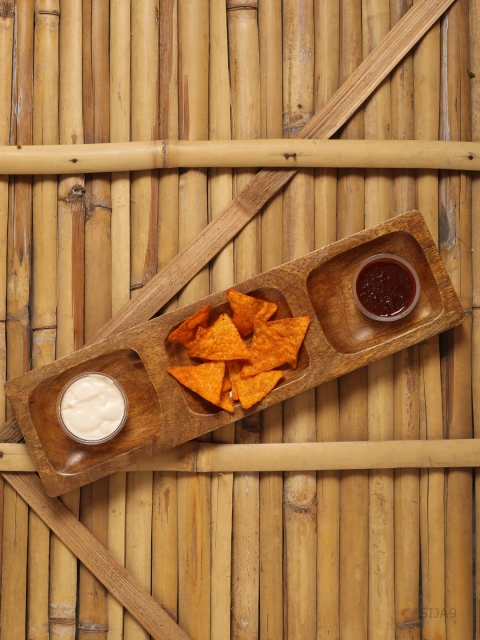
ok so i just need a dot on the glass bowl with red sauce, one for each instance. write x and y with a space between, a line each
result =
386 287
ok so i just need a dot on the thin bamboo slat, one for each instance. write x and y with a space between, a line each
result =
194 499
44 267
378 207
455 248
165 488
300 506
271 484
221 277
327 44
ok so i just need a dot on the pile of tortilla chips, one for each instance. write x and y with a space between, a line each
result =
231 371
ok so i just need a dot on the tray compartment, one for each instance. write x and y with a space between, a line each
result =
144 417
345 327
177 354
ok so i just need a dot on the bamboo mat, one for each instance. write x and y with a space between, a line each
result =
382 554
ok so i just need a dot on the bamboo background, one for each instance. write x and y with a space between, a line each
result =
351 554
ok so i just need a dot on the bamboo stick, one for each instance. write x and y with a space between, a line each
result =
299 423
223 153
165 489
120 239
221 277
245 87
353 604
327 43
194 516
378 207
455 248
92 610
144 124
432 483
45 130
271 484
205 457
17 329
70 289
120 133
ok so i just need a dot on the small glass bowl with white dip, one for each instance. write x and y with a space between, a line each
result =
92 408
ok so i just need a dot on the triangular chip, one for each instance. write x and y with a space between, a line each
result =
186 333
234 367
226 402
246 309
268 350
252 390
220 342
293 330
226 385
205 379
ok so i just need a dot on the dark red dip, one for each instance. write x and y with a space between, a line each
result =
385 288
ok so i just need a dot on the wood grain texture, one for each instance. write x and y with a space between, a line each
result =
331 348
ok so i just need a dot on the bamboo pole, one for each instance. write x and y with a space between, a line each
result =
300 506
205 457
6 53
475 101
70 290
144 239
144 125
165 489
245 87
44 267
120 240
194 499
120 133
406 402
17 330
432 482
455 248
221 277
353 605
327 43
378 207
92 610
271 484
224 153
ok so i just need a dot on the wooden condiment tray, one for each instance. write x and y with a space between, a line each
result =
164 414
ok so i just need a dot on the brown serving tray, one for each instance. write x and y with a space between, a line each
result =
164 414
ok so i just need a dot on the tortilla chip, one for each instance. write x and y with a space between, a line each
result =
220 342
226 402
205 379
226 385
268 350
252 390
186 333
234 367
246 309
293 330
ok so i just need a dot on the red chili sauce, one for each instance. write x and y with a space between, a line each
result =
385 288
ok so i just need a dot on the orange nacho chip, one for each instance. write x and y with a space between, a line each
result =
220 342
293 330
205 379
234 367
226 402
226 385
186 333
268 350
246 309
252 390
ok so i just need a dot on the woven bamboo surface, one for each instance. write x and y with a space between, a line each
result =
378 554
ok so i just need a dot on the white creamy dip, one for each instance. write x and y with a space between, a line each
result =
92 407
